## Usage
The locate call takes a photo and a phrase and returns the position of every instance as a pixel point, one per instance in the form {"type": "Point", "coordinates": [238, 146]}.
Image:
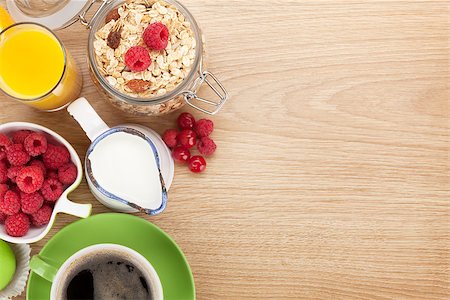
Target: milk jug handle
{"type": "Point", "coordinates": [87, 117]}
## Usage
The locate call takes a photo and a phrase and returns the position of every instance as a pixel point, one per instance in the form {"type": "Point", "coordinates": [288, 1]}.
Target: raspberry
{"type": "Point", "coordinates": [52, 189]}
{"type": "Point", "coordinates": [3, 189]}
{"type": "Point", "coordinates": [19, 136]}
{"type": "Point", "coordinates": [15, 189]}
{"type": "Point", "coordinates": [55, 156]}
{"type": "Point", "coordinates": [204, 127]}
{"type": "Point", "coordinates": [181, 154]}
{"type": "Point", "coordinates": [42, 216]}
{"type": "Point", "coordinates": [4, 144]}
{"type": "Point", "coordinates": [3, 172]}
{"type": "Point", "coordinates": [170, 137]}
{"type": "Point", "coordinates": [35, 144]}
{"type": "Point", "coordinates": [10, 204]}
{"type": "Point", "coordinates": [156, 36]}
{"type": "Point", "coordinates": [30, 179]}
{"type": "Point", "coordinates": [16, 155]}
{"type": "Point", "coordinates": [52, 174]}
{"type": "Point", "coordinates": [187, 138]}
{"type": "Point", "coordinates": [13, 172]}
{"type": "Point", "coordinates": [40, 164]}
{"type": "Point", "coordinates": [206, 146]}
{"type": "Point", "coordinates": [30, 203]}
{"type": "Point", "coordinates": [186, 121]}
{"type": "Point", "coordinates": [2, 217]}
{"type": "Point", "coordinates": [67, 173]}
{"type": "Point", "coordinates": [50, 204]}
{"type": "Point", "coordinates": [137, 59]}
{"type": "Point", "coordinates": [197, 164]}
{"type": "Point", "coordinates": [17, 225]}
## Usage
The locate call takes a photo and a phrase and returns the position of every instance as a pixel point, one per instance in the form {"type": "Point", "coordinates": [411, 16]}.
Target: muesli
{"type": "Point", "coordinates": [133, 37]}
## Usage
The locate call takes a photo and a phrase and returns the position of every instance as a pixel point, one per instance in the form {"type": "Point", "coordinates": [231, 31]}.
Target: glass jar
{"type": "Point", "coordinates": [184, 92]}
{"type": "Point", "coordinates": [40, 8]}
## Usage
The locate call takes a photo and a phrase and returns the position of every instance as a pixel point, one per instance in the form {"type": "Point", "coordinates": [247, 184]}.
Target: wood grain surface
{"type": "Point", "coordinates": [331, 179]}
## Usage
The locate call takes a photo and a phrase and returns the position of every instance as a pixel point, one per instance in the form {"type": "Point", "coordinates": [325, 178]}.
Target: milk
{"type": "Point", "coordinates": [125, 165]}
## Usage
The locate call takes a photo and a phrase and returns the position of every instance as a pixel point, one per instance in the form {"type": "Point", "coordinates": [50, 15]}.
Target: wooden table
{"type": "Point", "coordinates": [331, 178]}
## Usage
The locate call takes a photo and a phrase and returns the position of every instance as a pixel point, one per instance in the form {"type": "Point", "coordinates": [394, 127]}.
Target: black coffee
{"type": "Point", "coordinates": [106, 278]}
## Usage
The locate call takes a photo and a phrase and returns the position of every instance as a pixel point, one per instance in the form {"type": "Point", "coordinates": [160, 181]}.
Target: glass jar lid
{"type": "Point", "coordinates": [54, 14]}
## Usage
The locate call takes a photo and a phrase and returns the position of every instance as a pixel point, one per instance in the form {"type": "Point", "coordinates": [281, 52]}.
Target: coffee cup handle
{"type": "Point", "coordinates": [42, 268]}
{"type": "Point", "coordinates": [87, 117]}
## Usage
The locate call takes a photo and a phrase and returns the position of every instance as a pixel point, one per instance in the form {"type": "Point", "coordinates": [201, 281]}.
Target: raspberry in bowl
{"type": "Point", "coordinates": [38, 169]}
{"type": "Point", "coordinates": [147, 56]}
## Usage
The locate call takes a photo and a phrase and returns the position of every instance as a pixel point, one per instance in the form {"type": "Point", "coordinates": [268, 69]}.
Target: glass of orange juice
{"type": "Point", "coordinates": [36, 69]}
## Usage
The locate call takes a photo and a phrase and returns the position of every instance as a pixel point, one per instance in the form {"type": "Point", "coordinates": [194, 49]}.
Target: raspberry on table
{"type": "Point", "coordinates": [35, 144]}
{"type": "Point", "coordinates": [204, 127]}
{"type": "Point", "coordinates": [187, 138]}
{"type": "Point", "coordinates": [42, 216]}
{"type": "Point", "coordinates": [17, 225]}
{"type": "Point", "coordinates": [30, 203]}
{"type": "Point", "coordinates": [16, 155]}
{"type": "Point", "coordinates": [30, 179]}
{"type": "Point", "coordinates": [40, 164]}
{"type": "Point", "coordinates": [197, 164]}
{"type": "Point", "coordinates": [52, 189]}
{"type": "Point", "coordinates": [156, 36]}
{"type": "Point", "coordinates": [137, 59]}
{"type": "Point", "coordinates": [13, 171]}
{"type": "Point", "coordinates": [67, 173]}
{"type": "Point", "coordinates": [181, 154]}
{"type": "Point", "coordinates": [4, 143]}
{"type": "Point", "coordinates": [55, 156]}
{"type": "Point", "coordinates": [186, 121]}
{"type": "Point", "coordinates": [10, 204]}
{"type": "Point", "coordinates": [3, 172]}
{"type": "Point", "coordinates": [206, 146]}
{"type": "Point", "coordinates": [170, 137]}
{"type": "Point", "coordinates": [20, 136]}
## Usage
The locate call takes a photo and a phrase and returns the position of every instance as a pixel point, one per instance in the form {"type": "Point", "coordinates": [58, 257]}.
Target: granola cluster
{"type": "Point", "coordinates": [124, 29]}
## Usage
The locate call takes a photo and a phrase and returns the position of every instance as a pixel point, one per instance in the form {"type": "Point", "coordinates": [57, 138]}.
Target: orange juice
{"type": "Point", "coordinates": [5, 19]}
{"type": "Point", "coordinates": [36, 69]}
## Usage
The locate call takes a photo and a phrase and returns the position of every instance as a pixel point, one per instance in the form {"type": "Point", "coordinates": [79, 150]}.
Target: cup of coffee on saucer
{"type": "Point", "coordinates": [102, 271]}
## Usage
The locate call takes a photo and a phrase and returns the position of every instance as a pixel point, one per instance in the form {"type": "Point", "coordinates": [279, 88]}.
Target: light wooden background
{"type": "Point", "coordinates": [331, 180]}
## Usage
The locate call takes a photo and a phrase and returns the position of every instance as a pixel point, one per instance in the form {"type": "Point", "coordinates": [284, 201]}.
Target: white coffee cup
{"type": "Point", "coordinates": [60, 277]}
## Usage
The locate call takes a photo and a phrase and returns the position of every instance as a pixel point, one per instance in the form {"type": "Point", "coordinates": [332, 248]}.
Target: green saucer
{"type": "Point", "coordinates": [127, 230]}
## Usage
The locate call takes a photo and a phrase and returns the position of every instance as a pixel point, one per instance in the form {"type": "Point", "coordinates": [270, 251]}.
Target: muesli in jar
{"type": "Point", "coordinates": [145, 49]}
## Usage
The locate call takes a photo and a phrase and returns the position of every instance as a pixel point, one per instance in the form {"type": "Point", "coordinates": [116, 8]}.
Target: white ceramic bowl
{"type": "Point", "coordinates": [63, 204]}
